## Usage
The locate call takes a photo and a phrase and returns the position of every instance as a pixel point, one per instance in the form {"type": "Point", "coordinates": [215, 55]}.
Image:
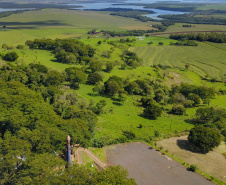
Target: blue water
{"type": "Point", "coordinates": [98, 6]}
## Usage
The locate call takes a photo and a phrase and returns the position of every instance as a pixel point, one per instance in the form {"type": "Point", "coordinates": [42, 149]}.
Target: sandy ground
{"type": "Point", "coordinates": [149, 167]}
{"type": "Point", "coordinates": [212, 163]}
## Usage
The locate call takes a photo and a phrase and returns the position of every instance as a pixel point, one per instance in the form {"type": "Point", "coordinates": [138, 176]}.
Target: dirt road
{"type": "Point", "coordinates": [149, 167]}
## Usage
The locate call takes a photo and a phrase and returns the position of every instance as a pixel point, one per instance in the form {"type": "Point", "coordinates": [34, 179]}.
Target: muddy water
{"type": "Point", "coordinates": [149, 167]}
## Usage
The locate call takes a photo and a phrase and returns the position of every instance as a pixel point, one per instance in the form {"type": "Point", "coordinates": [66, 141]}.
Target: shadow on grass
{"type": "Point", "coordinates": [191, 121]}
{"type": "Point", "coordinates": [185, 145]}
{"type": "Point", "coordinates": [93, 94]}
{"type": "Point", "coordinates": [147, 117]}
{"type": "Point", "coordinates": [31, 25]}
{"type": "Point", "coordinates": [117, 103]}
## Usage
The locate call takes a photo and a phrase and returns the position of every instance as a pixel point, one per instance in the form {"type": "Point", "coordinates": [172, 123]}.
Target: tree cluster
{"type": "Point", "coordinates": [185, 43]}
{"type": "Point", "coordinates": [65, 50]}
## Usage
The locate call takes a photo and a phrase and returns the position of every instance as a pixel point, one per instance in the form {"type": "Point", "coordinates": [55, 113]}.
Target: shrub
{"type": "Point", "coordinates": [193, 168]}
{"type": "Point", "coordinates": [130, 135]}
{"type": "Point", "coordinates": [157, 134]}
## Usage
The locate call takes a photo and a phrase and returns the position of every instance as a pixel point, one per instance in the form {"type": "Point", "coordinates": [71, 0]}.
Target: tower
{"type": "Point", "coordinates": [68, 154]}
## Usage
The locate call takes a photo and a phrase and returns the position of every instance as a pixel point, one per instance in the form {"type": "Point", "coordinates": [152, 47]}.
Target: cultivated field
{"type": "Point", "coordinates": [204, 59]}
{"type": "Point", "coordinates": [212, 163]}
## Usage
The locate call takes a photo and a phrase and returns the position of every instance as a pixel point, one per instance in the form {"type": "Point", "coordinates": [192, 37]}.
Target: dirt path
{"type": "Point", "coordinates": [149, 167]}
{"type": "Point", "coordinates": [89, 153]}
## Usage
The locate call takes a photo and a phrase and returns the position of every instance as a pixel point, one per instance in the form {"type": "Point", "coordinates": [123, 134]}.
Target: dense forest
{"type": "Point", "coordinates": [37, 113]}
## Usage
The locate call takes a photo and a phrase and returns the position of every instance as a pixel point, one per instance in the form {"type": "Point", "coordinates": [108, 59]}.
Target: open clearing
{"type": "Point", "coordinates": [149, 167]}
{"type": "Point", "coordinates": [212, 163]}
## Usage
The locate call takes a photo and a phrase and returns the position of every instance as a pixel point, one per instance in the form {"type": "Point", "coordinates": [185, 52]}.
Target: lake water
{"type": "Point", "coordinates": [98, 6]}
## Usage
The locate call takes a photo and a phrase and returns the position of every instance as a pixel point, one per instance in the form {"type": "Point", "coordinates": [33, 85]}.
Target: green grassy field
{"type": "Point", "coordinates": [207, 58]}
{"type": "Point", "coordinates": [213, 6]}
{"type": "Point", "coordinates": [55, 23]}
{"type": "Point", "coordinates": [204, 59]}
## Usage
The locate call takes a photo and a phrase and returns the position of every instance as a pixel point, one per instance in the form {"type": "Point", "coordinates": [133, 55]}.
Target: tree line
{"type": "Point", "coordinates": [194, 19]}
{"type": "Point", "coordinates": [211, 37]}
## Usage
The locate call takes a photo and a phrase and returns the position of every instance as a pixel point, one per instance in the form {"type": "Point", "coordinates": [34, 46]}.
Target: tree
{"type": "Point", "coordinates": [54, 78]}
{"type": "Point", "coordinates": [75, 76]}
{"type": "Point", "coordinates": [11, 56]}
{"type": "Point", "coordinates": [204, 138]}
{"type": "Point", "coordinates": [95, 66]}
{"type": "Point", "coordinates": [132, 88]}
{"type": "Point", "coordinates": [20, 46]}
{"type": "Point", "coordinates": [159, 95]}
{"type": "Point", "coordinates": [99, 42]}
{"type": "Point", "coordinates": [149, 43]}
{"type": "Point", "coordinates": [112, 87]}
{"type": "Point", "coordinates": [109, 66]}
{"type": "Point", "coordinates": [178, 109]}
{"type": "Point", "coordinates": [94, 78]}
{"type": "Point", "coordinates": [152, 111]}
{"type": "Point", "coordinates": [65, 57]}
{"type": "Point", "coordinates": [187, 66]}
{"type": "Point", "coordinates": [194, 97]}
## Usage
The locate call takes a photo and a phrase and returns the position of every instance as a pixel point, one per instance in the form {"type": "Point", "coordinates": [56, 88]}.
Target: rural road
{"type": "Point", "coordinates": [149, 167]}
{"type": "Point", "coordinates": [92, 155]}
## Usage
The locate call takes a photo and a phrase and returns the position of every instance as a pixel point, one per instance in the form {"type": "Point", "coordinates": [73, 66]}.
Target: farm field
{"type": "Point", "coordinates": [212, 163]}
{"type": "Point", "coordinates": [52, 23]}
{"type": "Point", "coordinates": [178, 27]}
{"type": "Point", "coordinates": [203, 59]}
